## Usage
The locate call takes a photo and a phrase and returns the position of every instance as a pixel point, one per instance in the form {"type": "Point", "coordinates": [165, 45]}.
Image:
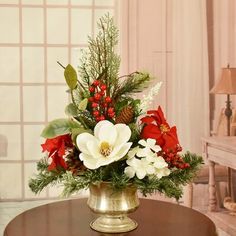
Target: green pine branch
{"type": "Point", "coordinates": [133, 83]}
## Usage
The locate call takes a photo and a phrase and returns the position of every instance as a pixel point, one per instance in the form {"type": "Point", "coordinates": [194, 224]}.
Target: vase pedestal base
{"type": "Point", "coordinates": [113, 224]}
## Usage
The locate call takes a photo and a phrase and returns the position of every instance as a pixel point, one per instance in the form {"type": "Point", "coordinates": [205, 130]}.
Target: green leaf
{"type": "Point", "coordinates": [83, 104]}
{"type": "Point", "coordinates": [70, 76]}
{"type": "Point", "coordinates": [76, 131]}
{"type": "Point", "coordinates": [59, 127]}
{"type": "Point", "coordinates": [71, 110]}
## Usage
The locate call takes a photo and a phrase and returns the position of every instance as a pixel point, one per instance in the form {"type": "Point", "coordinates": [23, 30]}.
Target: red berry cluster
{"type": "Point", "coordinates": [174, 159]}
{"type": "Point", "coordinates": [100, 102]}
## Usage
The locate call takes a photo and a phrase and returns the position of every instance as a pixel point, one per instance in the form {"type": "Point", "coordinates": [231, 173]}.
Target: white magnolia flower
{"type": "Point", "coordinates": [149, 146]}
{"type": "Point", "coordinates": [109, 144]}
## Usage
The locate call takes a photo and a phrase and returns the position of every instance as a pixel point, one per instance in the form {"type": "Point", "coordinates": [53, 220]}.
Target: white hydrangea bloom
{"type": "Point", "coordinates": [149, 146]}
{"type": "Point", "coordinates": [109, 144]}
{"type": "Point", "coordinates": [149, 164]}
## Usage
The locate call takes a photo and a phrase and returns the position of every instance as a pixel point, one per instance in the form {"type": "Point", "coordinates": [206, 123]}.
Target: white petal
{"type": "Point", "coordinates": [93, 147]}
{"type": "Point", "coordinates": [150, 170]}
{"type": "Point", "coordinates": [121, 152]}
{"type": "Point", "coordinates": [142, 142]}
{"type": "Point", "coordinates": [143, 152]}
{"type": "Point", "coordinates": [151, 142]}
{"type": "Point", "coordinates": [99, 125]}
{"type": "Point", "coordinates": [134, 162]}
{"type": "Point", "coordinates": [129, 171]}
{"type": "Point", "coordinates": [123, 134]}
{"type": "Point", "coordinates": [108, 133]}
{"type": "Point", "coordinates": [133, 152]}
{"type": "Point", "coordinates": [105, 161]}
{"type": "Point", "coordinates": [156, 148]}
{"type": "Point", "coordinates": [88, 161]}
{"type": "Point", "coordinates": [82, 140]}
{"type": "Point", "coordinates": [140, 173]}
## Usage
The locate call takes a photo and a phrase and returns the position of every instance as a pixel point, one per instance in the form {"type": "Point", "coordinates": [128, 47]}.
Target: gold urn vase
{"type": "Point", "coordinates": [113, 207]}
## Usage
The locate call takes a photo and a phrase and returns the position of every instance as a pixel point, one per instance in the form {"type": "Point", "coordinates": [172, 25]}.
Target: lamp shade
{"type": "Point", "coordinates": [227, 82]}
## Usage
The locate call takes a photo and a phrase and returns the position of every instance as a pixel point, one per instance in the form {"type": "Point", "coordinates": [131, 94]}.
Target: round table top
{"type": "Point", "coordinates": [72, 218]}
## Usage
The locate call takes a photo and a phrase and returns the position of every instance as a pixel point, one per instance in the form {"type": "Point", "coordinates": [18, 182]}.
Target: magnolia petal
{"type": "Point", "coordinates": [105, 161]}
{"type": "Point", "coordinates": [82, 140]}
{"type": "Point", "coordinates": [123, 134]}
{"type": "Point", "coordinates": [99, 125]}
{"type": "Point", "coordinates": [93, 147]}
{"type": "Point", "coordinates": [108, 133]}
{"type": "Point", "coordinates": [88, 161]}
{"type": "Point", "coordinates": [123, 151]}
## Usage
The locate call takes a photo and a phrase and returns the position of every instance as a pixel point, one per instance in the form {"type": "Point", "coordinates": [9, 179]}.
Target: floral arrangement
{"type": "Point", "coordinates": [109, 135]}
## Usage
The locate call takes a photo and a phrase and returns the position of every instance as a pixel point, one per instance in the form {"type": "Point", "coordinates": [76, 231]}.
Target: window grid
{"type": "Point", "coordinates": [69, 46]}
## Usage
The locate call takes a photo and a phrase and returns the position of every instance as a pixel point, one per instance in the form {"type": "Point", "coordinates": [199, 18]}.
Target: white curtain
{"type": "Point", "coordinates": [189, 91]}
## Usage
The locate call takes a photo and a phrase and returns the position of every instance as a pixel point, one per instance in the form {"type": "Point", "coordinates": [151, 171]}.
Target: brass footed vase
{"type": "Point", "coordinates": [113, 207]}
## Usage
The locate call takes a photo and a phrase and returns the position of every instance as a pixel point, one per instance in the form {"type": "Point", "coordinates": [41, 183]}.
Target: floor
{"type": "Point", "coordinates": [8, 210]}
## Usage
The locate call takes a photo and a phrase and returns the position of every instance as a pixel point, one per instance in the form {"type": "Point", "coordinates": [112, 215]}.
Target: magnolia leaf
{"type": "Point", "coordinates": [83, 104]}
{"type": "Point", "coordinates": [71, 110]}
{"type": "Point", "coordinates": [59, 127]}
{"type": "Point", "coordinates": [76, 131]}
{"type": "Point", "coordinates": [70, 76]}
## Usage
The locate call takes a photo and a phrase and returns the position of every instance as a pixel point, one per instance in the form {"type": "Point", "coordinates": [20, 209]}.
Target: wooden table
{"type": "Point", "coordinates": [72, 218]}
{"type": "Point", "coordinates": [221, 150]}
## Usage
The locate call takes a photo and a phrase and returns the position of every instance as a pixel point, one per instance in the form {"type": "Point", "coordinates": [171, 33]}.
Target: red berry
{"type": "Point", "coordinates": [94, 104]}
{"type": "Point", "coordinates": [97, 118]}
{"type": "Point", "coordinates": [102, 93]}
{"type": "Point", "coordinates": [96, 82]}
{"type": "Point", "coordinates": [102, 117]}
{"type": "Point", "coordinates": [97, 96]}
{"type": "Point", "coordinates": [103, 87]}
{"type": "Point", "coordinates": [96, 113]}
{"type": "Point", "coordinates": [111, 114]}
{"type": "Point", "coordinates": [91, 89]}
{"type": "Point", "coordinates": [91, 99]}
{"type": "Point", "coordinates": [105, 104]}
{"type": "Point", "coordinates": [107, 99]}
{"type": "Point", "coordinates": [110, 110]}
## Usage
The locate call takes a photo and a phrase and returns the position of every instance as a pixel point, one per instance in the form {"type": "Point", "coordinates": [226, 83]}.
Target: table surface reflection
{"type": "Point", "coordinates": [72, 218]}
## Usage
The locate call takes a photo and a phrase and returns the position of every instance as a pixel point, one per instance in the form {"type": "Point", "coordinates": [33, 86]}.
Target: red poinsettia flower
{"type": "Point", "coordinates": [156, 127]}
{"type": "Point", "coordinates": [56, 148]}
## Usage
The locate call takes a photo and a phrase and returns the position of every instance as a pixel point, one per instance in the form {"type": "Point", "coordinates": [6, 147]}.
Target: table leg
{"type": "Point", "coordinates": [229, 182]}
{"type": "Point", "coordinates": [212, 187]}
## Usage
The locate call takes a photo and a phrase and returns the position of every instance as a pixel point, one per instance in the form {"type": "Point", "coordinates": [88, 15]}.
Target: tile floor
{"type": "Point", "coordinates": [8, 210]}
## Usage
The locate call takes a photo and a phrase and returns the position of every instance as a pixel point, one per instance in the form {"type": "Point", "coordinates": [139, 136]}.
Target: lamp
{"type": "Point", "coordinates": [226, 85]}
